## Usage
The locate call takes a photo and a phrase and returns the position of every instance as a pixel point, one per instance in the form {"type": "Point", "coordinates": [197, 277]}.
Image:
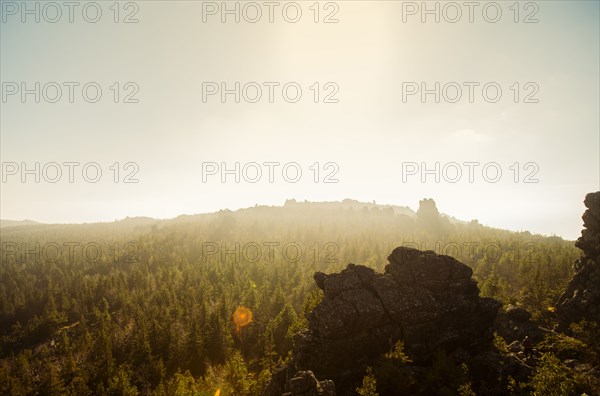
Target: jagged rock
{"type": "Point", "coordinates": [517, 313]}
{"type": "Point", "coordinates": [303, 383]}
{"type": "Point", "coordinates": [426, 300]}
{"type": "Point", "coordinates": [589, 241]}
{"type": "Point", "coordinates": [515, 323]}
{"type": "Point", "coordinates": [581, 300]}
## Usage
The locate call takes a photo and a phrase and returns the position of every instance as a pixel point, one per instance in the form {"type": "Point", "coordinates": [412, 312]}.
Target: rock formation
{"type": "Point", "coordinates": [427, 301]}
{"type": "Point", "coordinates": [581, 300]}
{"type": "Point", "coordinates": [429, 218]}
{"type": "Point", "coordinates": [514, 323]}
{"type": "Point", "coordinates": [304, 383]}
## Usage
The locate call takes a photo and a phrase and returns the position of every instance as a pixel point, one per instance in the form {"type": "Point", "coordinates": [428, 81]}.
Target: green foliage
{"type": "Point", "coordinates": [261, 382]}
{"type": "Point", "coordinates": [397, 353]}
{"type": "Point", "coordinates": [563, 346]}
{"type": "Point", "coordinates": [552, 378]}
{"type": "Point", "coordinates": [466, 390]}
{"type": "Point", "coordinates": [120, 383]}
{"type": "Point", "coordinates": [369, 384]}
{"type": "Point", "coordinates": [515, 387]}
{"type": "Point", "coordinates": [500, 344]}
{"type": "Point", "coordinates": [393, 373]}
{"type": "Point", "coordinates": [238, 379]}
{"type": "Point", "coordinates": [311, 301]}
{"type": "Point", "coordinates": [589, 334]}
{"type": "Point", "coordinates": [182, 384]}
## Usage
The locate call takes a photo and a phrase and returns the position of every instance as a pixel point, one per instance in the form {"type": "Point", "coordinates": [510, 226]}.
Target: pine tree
{"type": "Point", "coordinates": [369, 384]}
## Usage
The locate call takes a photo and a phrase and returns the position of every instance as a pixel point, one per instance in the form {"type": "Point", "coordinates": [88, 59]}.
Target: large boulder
{"type": "Point", "coordinates": [514, 324]}
{"type": "Point", "coordinates": [426, 300]}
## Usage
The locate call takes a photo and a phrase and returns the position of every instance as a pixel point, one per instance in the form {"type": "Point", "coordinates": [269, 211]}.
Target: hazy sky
{"type": "Point", "coordinates": [369, 61]}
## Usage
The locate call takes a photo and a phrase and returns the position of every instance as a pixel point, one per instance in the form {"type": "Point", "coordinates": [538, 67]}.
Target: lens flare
{"type": "Point", "coordinates": [242, 317]}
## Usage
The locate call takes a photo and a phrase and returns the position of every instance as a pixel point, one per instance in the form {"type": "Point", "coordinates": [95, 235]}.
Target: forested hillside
{"type": "Point", "coordinates": [143, 306]}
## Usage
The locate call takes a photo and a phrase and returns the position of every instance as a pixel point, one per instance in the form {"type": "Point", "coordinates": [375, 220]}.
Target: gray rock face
{"type": "Point", "coordinates": [581, 300]}
{"type": "Point", "coordinates": [428, 301]}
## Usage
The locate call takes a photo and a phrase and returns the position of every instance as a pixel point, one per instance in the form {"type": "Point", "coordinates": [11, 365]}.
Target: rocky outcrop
{"type": "Point", "coordinates": [589, 241]}
{"type": "Point", "coordinates": [514, 324]}
{"type": "Point", "coordinates": [581, 300]}
{"type": "Point", "coordinates": [303, 383]}
{"type": "Point", "coordinates": [427, 301]}
{"type": "Point", "coordinates": [430, 220]}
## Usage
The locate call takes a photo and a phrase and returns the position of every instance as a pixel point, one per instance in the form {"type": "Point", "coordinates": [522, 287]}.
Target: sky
{"type": "Point", "coordinates": [370, 100]}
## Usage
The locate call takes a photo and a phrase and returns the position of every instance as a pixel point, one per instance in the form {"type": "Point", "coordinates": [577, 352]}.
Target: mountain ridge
{"type": "Point", "coordinates": [290, 204]}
